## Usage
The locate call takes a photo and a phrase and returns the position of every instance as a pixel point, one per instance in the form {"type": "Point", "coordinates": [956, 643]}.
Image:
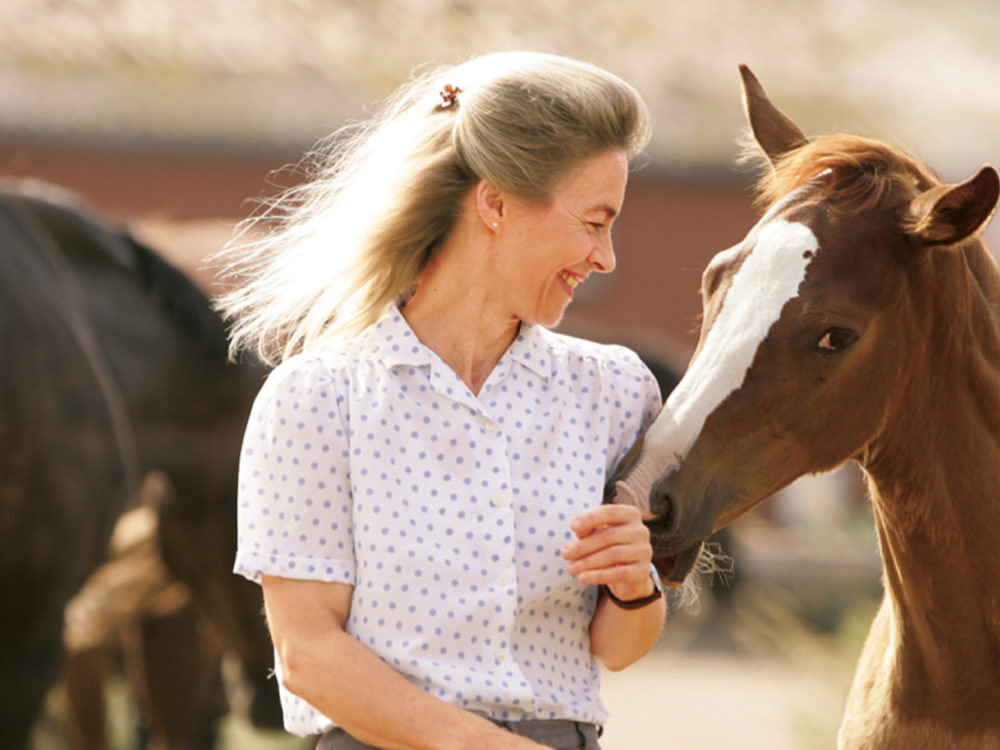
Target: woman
{"type": "Point", "coordinates": [422, 474]}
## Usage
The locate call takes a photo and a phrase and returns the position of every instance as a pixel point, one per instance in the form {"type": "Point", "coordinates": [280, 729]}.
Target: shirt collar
{"type": "Point", "coordinates": [397, 344]}
{"type": "Point", "coordinates": [531, 349]}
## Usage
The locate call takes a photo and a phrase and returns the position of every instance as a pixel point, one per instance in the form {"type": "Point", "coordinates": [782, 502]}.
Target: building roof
{"type": "Point", "coordinates": [278, 74]}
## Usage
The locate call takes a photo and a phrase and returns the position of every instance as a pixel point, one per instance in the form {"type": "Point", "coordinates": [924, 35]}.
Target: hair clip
{"type": "Point", "coordinates": [449, 95]}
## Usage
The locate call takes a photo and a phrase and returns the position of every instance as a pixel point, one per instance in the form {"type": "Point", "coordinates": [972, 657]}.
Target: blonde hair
{"type": "Point", "coordinates": [321, 261]}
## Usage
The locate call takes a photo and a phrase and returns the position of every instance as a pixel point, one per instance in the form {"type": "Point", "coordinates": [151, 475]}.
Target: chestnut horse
{"type": "Point", "coordinates": [859, 319]}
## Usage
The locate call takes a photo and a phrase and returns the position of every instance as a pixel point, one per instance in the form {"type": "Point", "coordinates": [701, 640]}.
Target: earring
{"type": "Point", "coordinates": [496, 224]}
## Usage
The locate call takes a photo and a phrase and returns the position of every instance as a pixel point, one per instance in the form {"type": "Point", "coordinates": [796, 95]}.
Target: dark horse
{"type": "Point", "coordinates": [859, 319]}
{"type": "Point", "coordinates": [114, 365]}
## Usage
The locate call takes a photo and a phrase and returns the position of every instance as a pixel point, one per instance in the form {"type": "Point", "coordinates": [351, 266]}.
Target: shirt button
{"type": "Point", "coordinates": [491, 426]}
{"type": "Point", "coordinates": [496, 501]}
{"type": "Point", "coordinates": [499, 655]}
{"type": "Point", "coordinates": [504, 580]}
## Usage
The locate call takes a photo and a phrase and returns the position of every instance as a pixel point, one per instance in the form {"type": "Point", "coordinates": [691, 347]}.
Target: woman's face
{"type": "Point", "coordinates": [551, 246]}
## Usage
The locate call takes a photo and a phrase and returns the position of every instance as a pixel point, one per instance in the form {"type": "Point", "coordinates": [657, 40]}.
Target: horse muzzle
{"type": "Point", "coordinates": [678, 529]}
{"type": "Point", "coordinates": [674, 551]}
{"type": "Point", "coordinates": [674, 568]}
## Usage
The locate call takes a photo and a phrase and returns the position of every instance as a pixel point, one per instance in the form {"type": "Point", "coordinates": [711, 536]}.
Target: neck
{"type": "Point", "coordinates": [940, 640]}
{"type": "Point", "coordinates": [455, 312]}
{"type": "Point", "coordinates": [936, 497]}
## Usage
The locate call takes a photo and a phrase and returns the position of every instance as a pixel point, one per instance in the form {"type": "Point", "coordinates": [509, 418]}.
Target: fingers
{"type": "Point", "coordinates": [605, 515]}
{"type": "Point", "coordinates": [612, 547]}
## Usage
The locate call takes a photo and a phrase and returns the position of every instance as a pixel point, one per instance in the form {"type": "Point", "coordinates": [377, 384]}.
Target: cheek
{"type": "Point", "coordinates": [851, 401]}
{"type": "Point", "coordinates": [519, 269]}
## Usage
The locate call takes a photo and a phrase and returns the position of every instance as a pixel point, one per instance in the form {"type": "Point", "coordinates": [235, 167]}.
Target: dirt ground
{"type": "Point", "coordinates": [720, 701]}
{"type": "Point", "coordinates": [768, 668]}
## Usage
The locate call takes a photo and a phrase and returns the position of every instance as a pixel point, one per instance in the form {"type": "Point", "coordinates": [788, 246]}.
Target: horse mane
{"type": "Point", "coordinates": [862, 170]}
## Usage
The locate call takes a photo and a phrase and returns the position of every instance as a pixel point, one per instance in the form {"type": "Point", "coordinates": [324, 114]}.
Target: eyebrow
{"type": "Point", "coordinates": [611, 213]}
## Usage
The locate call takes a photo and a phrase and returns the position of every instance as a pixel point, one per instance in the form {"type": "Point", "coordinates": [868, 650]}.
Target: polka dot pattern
{"type": "Point", "coordinates": [376, 466]}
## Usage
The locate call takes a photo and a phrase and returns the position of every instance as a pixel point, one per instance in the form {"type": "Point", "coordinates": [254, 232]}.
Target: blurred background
{"type": "Point", "coordinates": [170, 116]}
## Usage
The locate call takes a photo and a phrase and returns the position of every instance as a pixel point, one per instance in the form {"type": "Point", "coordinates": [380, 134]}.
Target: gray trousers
{"type": "Point", "coordinates": [562, 735]}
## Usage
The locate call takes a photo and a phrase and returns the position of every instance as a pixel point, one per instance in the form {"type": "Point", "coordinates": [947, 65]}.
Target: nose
{"type": "Point", "coordinates": [602, 257]}
{"type": "Point", "coordinates": [661, 506]}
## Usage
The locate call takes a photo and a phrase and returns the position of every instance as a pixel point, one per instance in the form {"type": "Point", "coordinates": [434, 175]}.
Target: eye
{"type": "Point", "coordinates": [836, 340]}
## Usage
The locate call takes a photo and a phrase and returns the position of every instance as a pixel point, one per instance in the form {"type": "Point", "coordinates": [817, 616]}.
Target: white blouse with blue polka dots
{"type": "Point", "coordinates": [375, 465]}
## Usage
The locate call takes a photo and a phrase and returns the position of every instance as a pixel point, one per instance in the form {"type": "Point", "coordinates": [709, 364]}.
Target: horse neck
{"type": "Point", "coordinates": [935, 485]}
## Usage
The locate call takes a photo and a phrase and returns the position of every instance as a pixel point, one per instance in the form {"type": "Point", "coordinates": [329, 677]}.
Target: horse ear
{"type": "Point", "coordinates": [948, 214]}
{"type": "Point", "coordinates": [771, 128]}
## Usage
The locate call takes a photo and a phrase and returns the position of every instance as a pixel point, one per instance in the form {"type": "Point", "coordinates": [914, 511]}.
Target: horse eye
{"type": "Point", "coordinates": [836, 340]}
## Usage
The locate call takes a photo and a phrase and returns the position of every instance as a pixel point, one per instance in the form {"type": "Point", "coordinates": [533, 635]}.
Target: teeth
{"type": "Point", "coordinates": [571, 280]}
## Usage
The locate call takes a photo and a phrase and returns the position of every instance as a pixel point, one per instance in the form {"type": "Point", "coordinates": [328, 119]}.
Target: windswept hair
{"type": "Point", "coordinates": [320, 262]}
{"type": "Point", "coordinates": [861, 171]}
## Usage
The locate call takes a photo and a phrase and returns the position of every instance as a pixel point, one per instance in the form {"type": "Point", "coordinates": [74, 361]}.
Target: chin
{"type": "Point", "coordinates": [550, 321]}
{"type": "Point", "coordinates": [545, 315]}
{"type": "Point", "coordinates": [550, 318]}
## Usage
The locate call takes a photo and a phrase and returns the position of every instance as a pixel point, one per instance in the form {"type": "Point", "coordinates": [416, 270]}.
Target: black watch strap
{"type": "Point", "coordinates": [641, 602]}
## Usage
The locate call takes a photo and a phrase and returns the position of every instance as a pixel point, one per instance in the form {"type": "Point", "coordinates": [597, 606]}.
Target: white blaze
{"type": "Point", "coordinates": [769, 277]}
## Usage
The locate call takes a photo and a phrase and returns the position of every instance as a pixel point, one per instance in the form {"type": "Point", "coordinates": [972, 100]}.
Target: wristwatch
{"type": "Point", "coordinates": [642, 601]}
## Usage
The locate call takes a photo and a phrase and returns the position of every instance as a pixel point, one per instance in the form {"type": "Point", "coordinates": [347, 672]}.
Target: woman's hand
{"type": "Point", "coordinates": [612, 548]}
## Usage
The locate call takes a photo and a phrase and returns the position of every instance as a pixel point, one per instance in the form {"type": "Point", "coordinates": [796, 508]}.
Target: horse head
{"type": "Point", "coordinates": [812, 327]}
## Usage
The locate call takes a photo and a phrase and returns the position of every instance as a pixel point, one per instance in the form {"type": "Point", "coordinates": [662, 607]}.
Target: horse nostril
{"type": "Point", "coordinates": [661, 505]}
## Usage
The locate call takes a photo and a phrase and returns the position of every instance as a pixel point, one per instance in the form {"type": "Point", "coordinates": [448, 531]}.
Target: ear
{"type": "Point", "coordinates": [771, 128]}
{"type": "Point", "coordinates": [489, 203]}
{"type": "Point", "coordinates": [948, 214]}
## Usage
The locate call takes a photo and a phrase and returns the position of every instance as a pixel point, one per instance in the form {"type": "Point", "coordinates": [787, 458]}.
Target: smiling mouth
{"type": "Point", "coordinates": [569, 279]}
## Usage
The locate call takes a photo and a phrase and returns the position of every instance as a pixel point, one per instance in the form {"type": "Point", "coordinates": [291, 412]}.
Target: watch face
{"type": "Point", "coordinates": [656, 578]}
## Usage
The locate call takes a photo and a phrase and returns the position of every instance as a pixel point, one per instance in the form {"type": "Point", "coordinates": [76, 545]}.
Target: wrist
{"type": "Point", "coordinates": [637, 598]}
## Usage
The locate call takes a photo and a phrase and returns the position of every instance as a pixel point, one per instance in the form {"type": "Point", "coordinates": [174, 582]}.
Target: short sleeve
{"type": "Point", "coordinates": [294, 516]}
{"type": "Point", "coordinates": [634, 398]}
